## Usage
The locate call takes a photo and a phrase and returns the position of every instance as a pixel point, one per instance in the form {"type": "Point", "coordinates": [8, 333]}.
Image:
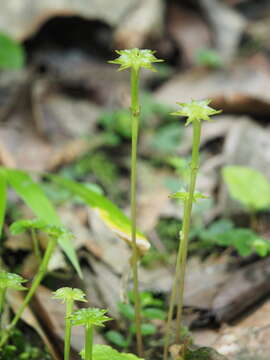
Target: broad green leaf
{"type": "Point", "coordinates": [11, 53]}
{"type": "Point", "coordinates": [154, 313]}
{"type": "Point", "coordinates": [3, 199]}
{"type": "Point", "coordinates": [106, 352]}
{"type": "Point", "coordinates": [116, 338]}
{"type": "Point", "coordinates": [33, 195]}
{"type": "Point", "coordinates": [113, 217]}
{"type": "Point", "coordinates": [127, 310]}
{"type": "Point", "coordinates": [248, 186]}
{"type": "Point", "coordinates": [147, 329]}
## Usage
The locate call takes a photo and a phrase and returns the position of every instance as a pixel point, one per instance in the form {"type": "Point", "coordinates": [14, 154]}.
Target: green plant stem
{"type": "Point", "coordinates": [135, 115]}
{"type": "Point", "coordinates": [89, 342]}
{"type": "Point", "coordinates": [69, 310]}
{"type": "Point", "coordinates": [2, 299]}
{"type": "Point", "coordinates": [36, 245]}
{"type": "Point", "coordinates": [37, 280]}
{"type": "Point", "coordinates": [179, 279]}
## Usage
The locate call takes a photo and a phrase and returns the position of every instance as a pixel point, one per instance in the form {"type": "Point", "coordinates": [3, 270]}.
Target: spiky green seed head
{"type": "Point", "coordinates": [89, 317]}
{"type": "Point", "coordinates": [196, 110]}
{"type": "Point", "coordinates": [11, 281]}
{"type": "Point", "coordinates": [67, 294]}
{"type": "Point", "coordinates": [183, 195]}
{"type": "Point", "coordinates": [21, 226]}
{"type": "Point", "coordinates": [136, 59]}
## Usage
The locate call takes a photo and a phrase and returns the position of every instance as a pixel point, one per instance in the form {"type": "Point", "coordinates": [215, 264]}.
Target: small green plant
{"type": "Point", "coordinates": [68, 296]}
{"type": "Point", "coordinates": [31, 226]}
{"type": "Point", "coordinates": [89, 318]}
{"type": "Point", "coordinates": [21, 349]}
{"type": "Point", "coordinates": [248, 186]}
{"type": "Point", "coordinates": [9, 281]}
{"type": "Point", "coordinates": [151, 309]}
{"type": "Point", "coordinates": [195, 112]}
{"type": "Point", "coordinates": [105, 352]}
{"type": "Point", "coordinates": [135, 59]}
{"type": "Point", "coordinates": [223, 233]}
{"type": "Point", "coordinates": [55, 234]}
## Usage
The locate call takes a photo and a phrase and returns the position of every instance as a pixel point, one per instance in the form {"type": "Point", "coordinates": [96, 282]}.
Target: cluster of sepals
{"type": "Point", "coordinates": [194, 111]}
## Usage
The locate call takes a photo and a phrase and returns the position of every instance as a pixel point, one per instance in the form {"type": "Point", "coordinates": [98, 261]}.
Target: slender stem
{"type": "Point", "coordinates": [135, 115]}
{"type": "Point", "coordinates": [89, 342]}
{"type": "Point", "coordinates": [2, 299]}
{"type": "Point", "coordinates": [36, 245]}
{"type": "Point", "coordinates": [186, 222]}
{"type": "Point", "coordinates": [37, 280]}
{"type": "Point", "coordinates": [179, 279]}
{"type": "Point", "coordinates": [69, 309]}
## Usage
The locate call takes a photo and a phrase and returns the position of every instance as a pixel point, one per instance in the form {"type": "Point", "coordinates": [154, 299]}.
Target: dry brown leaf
{"type": "Point", "coordinates": [146, 20]}
{"type": "Point", "coordinates": [23, 19]}
{"type": "Point", "coordinates": [15, 299]}
{"type": "Point", "coordinates": [242, 87]}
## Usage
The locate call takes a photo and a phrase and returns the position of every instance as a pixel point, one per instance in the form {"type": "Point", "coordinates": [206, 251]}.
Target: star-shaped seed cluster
{"type": "Point", "coordinates": [136, 59]}
{"type": "Point", "coordinates": [196, 111]}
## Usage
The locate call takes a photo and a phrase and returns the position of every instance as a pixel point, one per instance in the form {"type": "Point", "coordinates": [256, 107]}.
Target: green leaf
{"type": "Point", "coordinates": [248, 186]}
{"type": "Point", "coordinates": [245, 241]}
{"type": "Point", "coordinates": [3, 199]}
{"type": "Point", "coordinates": [109, 212]}
{"type": "Point", "coordinates": [116, 338]}
{"type": "Point", "coordinates": [21, 226]}
{"type": "Point", "coordinates": [11, 53]}
{"type": "Point", "coordinates": [127, 310]}
{"type": "Point", "coordinates": [33, 195]}
{"type": "Point", "coordinates": [154, 313]}
{"type": "Point", "coordinates": [147, 329]}
{"type": "Point", "coordinates": [105, 352]}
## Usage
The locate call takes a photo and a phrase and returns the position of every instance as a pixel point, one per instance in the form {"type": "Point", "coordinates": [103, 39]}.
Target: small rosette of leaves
{"type": "Point", "coordinates": [196, 110]}
{"type": "Point", "coordinates": [11, 281]}
{"type": "Point", "coordinates": [67, 294]}
{"type": "Point", "coordinates": [136, 59]}
{"type": "Point", "coordinates": [184, 195]}
{"type": "Point", "coordinates": [89, 317]}
{"type": "Point", "coordinates": [21, 226]}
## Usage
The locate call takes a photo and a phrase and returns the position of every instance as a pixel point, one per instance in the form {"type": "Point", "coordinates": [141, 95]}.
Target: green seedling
{"type": "Point", "coordinates": [223, 233]}
{"type": "Point", "coordinates": [9, 281]}
{"type": "Point", "coordinates": [151, 310]}
{"type": "Point", "coordinates": [68, 296]}
{"type": "Point", "coordinates": [89, 318]}
{"type": "Point", "coordinates": [135, 60]}
{"type": "Point", "coordinates": [195, 112]}
{"type": "Point", "coordinates": [250, 187]}
{"type": "Point", "coordinates": [31, 226]}
{"type": "Point", "coordinates": [55, 234]}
